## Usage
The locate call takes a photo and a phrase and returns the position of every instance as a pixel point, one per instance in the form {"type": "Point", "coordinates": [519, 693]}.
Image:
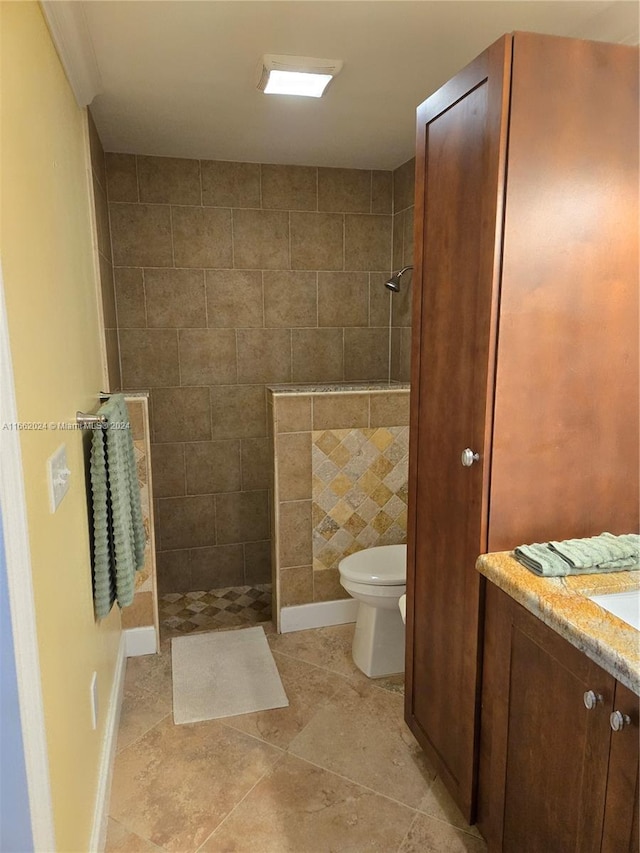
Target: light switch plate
{"type": "Point", "coordinates": [58, 475]}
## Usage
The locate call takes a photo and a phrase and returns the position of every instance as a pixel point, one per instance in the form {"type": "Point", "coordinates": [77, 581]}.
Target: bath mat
{"type": "Point", "coordinates": [224, 674]}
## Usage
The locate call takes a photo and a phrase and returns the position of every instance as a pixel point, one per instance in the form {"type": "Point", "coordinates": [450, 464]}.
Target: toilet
{"type": "Point", "coordinates": [376, 578]}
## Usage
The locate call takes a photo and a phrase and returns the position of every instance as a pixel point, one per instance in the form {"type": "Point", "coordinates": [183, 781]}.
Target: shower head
{"type": "Point", "coordinates": [394, 282]}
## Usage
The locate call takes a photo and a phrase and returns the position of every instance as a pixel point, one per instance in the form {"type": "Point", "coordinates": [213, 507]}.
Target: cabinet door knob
{"type": "Point", "coordinates": [591, 699]}
{"type": "Point", "coordinates": [619, 720]}
{"type": "Point", "coordinates": [469, 457]}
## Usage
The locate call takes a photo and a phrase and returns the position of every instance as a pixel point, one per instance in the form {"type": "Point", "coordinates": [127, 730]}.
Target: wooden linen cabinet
{"type": "Point", "coordinates": [524, 422]}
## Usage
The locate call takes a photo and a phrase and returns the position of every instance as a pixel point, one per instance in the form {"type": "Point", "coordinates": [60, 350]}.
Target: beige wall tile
{"type": "Point", "coordinates": [317, 355]}
{"type": "Point", "coordinates": [382, 192]}
{"type": "Point", "coordinates": [217, 567]}
{"type": "Point", "coordinates": [107, 292]}
{"type": "Point", "coordinates": [212, 466]}
{"type": "Point", "coordinates": [407, 243]}
{"type": "Point", "coordinates": [296, 586]}
{"type": "Point", "coordinates": [181, 414]}
{"type": "Point", "coordinates": [379, 300]}
{"type": "Point", "coordinates": [389, 408]}
{"type": "Point", "coordinates": [202, 237]}
{"type": "Point", "coordinates": [394, 360]}
{"type": "Point", "coordinates": [405, 355]}
{"type": "Point", "coordinates": [344, 190]}
{"type": "Point", "coordinates": [317, 241]}
{"type": "Point", "coordinates": [140, 613]}
{"type": "Point", "coordinates": [367, 242]}
{"type": "Point", "coordinates": [260, 239]}
{"type": "Point", "coordinates": [96, 150]}
{"type": "Point", "coordinates": [264, 355]}
{"type": "Point", "coordinates": [294, 535]}
{"type": "Point", "coordinates": [290, 299]}
{"type": "Point", "coordinates": [169, 180]}
{"type": "Point", "coordinates": [294, 466]}
{"type": "Point", "coordinates": [257, 562]}
{"type": "Point", "coordinates": [187, 522]}
{"type": "Point", "coordinates": [234, 298]}
{"type": "Point", "coordinates": [141, 235]}
{"type": "Point", "coordinates": [135, 409]}
{"type": "Point", "coordinates": [242, 517]}
{"type": "Point", "coordinates": [173, 571]}
{"type": "Point", "coordinates": [327, 587]}
{"type": "Point", "coordinates": [130, 300]}
{"type": "Point", "coordinates": [113, 359]}
{"type": "Point", "coordinates": [230, 184]}
{"type": "Point", "coordinates": [257, 464]}
{"type": "Point", "coordinates": [102, 220]}
{"type": "Point", "coordinates": [175, 298]}
{"type": "Point", "coordinates": [343, 299]}
{"type": "Point", "coordinates": [293, 414]}
{"type": "Point", "coordinates": [149, 358]}
{"type": "Point", "coordinates": [207, 356]}
{"type": "Point", "coordinates": [401, 302]}
{"type": "Point", "coordinates": [398, 240]}
{"type": "Point", "coordinates": [122, 177]}
{"type": "Point", "coordinates": [238, 411]}
{"type": "Point", "coordinates": [366, 354]}
{"type": "Point", "coordinates": [167, 467]}
{"type": "Point", "coordinates": [289, 187]}
{"type": "Point", "coordinates": [403, 185]}
{"type": "Point", "coordinates": [341, 411]}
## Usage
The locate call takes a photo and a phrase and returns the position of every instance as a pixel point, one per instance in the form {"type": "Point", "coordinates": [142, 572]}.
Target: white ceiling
{"type": "Point", "coordinates": [179, 78]}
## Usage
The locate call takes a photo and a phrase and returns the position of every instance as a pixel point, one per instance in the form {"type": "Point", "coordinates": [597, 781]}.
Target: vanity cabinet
{"type": "Point", "coordinates": [524, 394]}
{"type": "Point", "coordinates": [554, 776]}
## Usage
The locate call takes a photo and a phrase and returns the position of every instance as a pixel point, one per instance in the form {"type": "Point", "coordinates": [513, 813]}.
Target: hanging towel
{"type": "Point", "coordinates": [118, 528]}
{"type": "Point", "coordinates": [599, 554]}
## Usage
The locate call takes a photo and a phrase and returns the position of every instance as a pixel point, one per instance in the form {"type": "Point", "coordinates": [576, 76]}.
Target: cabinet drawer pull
{"type": "Point", "coordinates": [468, 457]}
{"type": "Point", "coordinates": [591, 699]}
{"type": "Point", "coordinates": [619, 720]}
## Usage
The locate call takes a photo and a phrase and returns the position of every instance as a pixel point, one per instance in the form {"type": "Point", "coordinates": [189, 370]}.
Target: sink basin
{"type": "Point", "coordinates": [624, 605]}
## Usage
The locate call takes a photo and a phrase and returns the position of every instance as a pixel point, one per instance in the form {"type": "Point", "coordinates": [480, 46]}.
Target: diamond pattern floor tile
{"type": "Point", "coordinates": [208, 610]}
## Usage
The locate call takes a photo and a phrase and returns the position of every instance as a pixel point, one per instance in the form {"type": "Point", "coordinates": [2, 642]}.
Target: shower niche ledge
{"type": "Point", "coordinates": [340, 471]}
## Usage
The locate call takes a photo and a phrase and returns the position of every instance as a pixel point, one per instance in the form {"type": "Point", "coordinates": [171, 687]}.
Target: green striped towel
{"type": "Point", "coordinates": [118, 528]}
{"type": "Point", "coordinates": [599, 554]}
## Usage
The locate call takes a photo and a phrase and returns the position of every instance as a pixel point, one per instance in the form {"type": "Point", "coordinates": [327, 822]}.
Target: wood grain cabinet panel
{"type": "Point", "coordinates": [553, 774]}
{"type": "Point", "coordinates": [525, 346]}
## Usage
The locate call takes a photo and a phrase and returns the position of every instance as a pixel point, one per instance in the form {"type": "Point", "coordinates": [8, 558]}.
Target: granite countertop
{"type": "Point", "coordinates": [338, 387]}
{"type": "Point", "coordinates": [563, 604]}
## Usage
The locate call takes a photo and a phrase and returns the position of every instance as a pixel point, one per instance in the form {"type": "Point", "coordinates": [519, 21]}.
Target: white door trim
{"type": "Point", "coordinates": [23, 617]}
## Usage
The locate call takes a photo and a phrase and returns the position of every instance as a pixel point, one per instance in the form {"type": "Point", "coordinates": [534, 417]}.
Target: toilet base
{"type": "Point", "coordinates": [378, 642]}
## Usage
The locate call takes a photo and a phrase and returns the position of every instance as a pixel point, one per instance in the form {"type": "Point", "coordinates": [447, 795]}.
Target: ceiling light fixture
{"type": "Point", "coordinates": [296, 75]}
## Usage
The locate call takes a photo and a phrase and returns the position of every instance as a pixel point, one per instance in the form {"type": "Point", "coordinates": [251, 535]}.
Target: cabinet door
{"type": "Point", "coordinates": [620, 834]}
{"type": "Point", "coordinates": [459, 174]}
{"type": "Point", "coordinates": [566, 440]}
{"type": "Point", "coordinates": [549, 754]}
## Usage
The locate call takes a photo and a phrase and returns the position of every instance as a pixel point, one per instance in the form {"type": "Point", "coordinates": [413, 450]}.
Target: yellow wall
{"type": "Point", "coordinates": [46, 253]}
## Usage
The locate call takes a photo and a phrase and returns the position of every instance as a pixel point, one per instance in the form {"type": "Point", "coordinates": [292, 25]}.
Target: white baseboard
{"type": "Point", "coordinates": [107, 758]}
{"type": "Point", "coordinates": [141, 641]}
{"type": "Point", "coordinates": [318, 615]}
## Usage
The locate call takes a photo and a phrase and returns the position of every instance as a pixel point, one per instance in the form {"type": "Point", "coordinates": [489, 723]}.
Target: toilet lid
{"type": "Point", "coordinates": [385, 565]}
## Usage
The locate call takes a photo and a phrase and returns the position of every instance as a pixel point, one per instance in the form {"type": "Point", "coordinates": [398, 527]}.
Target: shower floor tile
{"type": "Point", "coordinates": [209, 610]}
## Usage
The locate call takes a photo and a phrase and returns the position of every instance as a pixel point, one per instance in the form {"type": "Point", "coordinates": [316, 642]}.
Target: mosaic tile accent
{"type": "Point", "coordinates": [231, 607]}
{"type": "Point", "coordinates": [359, 491]}
{"type": "Point", "coordinates": [142, 611]}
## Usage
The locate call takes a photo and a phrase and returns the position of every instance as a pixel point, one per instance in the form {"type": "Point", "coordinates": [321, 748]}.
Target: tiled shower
{"type": "Point", "coordinates": [222, 278]}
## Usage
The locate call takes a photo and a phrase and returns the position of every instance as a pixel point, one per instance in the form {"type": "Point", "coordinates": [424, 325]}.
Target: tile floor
{"type": "Point", "coordinates": [184, 613]}
{"type": "Point", "coordinates": [338, 770]}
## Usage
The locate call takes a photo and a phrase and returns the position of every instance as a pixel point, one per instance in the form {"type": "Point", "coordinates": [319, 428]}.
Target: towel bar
{"type": "Point", "coordinates": [85, 421]}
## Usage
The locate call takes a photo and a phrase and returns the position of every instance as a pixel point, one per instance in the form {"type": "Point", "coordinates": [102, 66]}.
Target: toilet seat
{"type": "Point", "coordinates": [384, 565]}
